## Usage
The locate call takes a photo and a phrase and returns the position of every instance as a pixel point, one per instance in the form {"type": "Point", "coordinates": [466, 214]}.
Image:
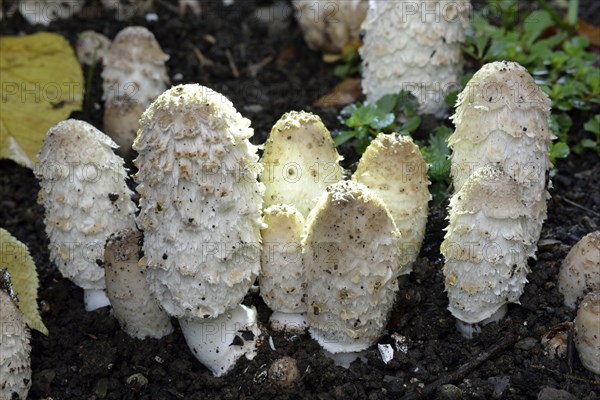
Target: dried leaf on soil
{"type": "Point", "coordinates": [15, 258]}
{"type": "Point", "coordinates": [42, 84]}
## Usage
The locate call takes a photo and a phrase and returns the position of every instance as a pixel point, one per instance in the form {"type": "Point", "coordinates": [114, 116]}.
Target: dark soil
{"type": "Point", "coordinates": [87, 356]}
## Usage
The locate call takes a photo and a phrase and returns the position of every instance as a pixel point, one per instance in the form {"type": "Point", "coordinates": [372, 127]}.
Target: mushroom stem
{"type": "Point", "coordinates": [94, 299]}
{"type": "Point", "coordinates": [288, 322]}
{"type": "Point", "coordinates": [344, 359]}
{"type": "Point", "coordinates": [219, 342]}
{"type": "Point", "coordinates": [467, 330]}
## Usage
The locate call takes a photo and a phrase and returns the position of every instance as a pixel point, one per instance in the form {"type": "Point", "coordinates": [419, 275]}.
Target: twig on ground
{"type": "Point", "coordinates": [571, 202]}
{"type": "Point", "coordinates": [463, 370]}
{"type": "Point", "coordinates": [234, 70]}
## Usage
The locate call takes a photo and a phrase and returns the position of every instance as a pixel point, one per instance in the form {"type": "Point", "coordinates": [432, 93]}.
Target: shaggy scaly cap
{"type": "Point", "coordinates": [393, 168]}
{"type": "Point", "coordinates": [414, 46]}
{"type": "Point", "coordinates": [200, 202]}
{"type": "Point", "coordinates": [351, 259]}
{"type": "Point", "coordinates": [85, 198]}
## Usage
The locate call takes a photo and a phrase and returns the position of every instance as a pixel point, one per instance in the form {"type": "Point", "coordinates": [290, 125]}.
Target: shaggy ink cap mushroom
{"type": "Point", "coordinates": [15, 349]}
{"type": "Point", "coordinates": [414, 46]}
{"type": "Point", "coordinates": [393, 168]}
{"type": "Point", "coordinates": [587, 332]}
{"type": "Point", "coordinates": [133, 305]}
{"type": "Point", "coordinates": [330, 25]}
{"type": "Point", "coordinates": [299, 161]}
{"type": "Point", "coordinates": [485, 248]}
{"type": "Point", "coordinates": [200, 209]}
{"type": "Point", "coordinates": [580, 270]}
{"type": "Point", "coordinates": [351, 254]}
{"type": "Point", "coordinates": [134, 75]}
{"type": "Point", "coordinates": [85, 197]}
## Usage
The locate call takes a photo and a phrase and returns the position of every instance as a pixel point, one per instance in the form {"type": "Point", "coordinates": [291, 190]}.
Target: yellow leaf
{"type": "Point", "coordinates": [15, 258]}
{"type": "Point", "coordinates": [41, 84]}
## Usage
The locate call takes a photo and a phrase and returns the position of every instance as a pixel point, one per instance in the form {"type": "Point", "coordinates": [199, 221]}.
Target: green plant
{"type": "Point", "coordinates": [398, 113]}
{"type": "Point", "coordinates": [349, 66]}
{"type": "Point", "coordinates": [390, 113]}
{"type": "Point", "coordinates": [557, 58]}
{"type": "Point", "coordinates": [437, 156]}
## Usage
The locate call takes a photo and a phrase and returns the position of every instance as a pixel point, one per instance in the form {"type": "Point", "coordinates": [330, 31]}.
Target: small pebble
{"type": "Point", "coordinates": [549, 393]}
{"type": "Point", "coordinates": [393, 385]}
{"type": "Point", "coordinates": [284, 372]}
{"type": "Point", "coordinates": [527, 343]}
{"type": "Point", "coordinates": [450, 392]}
{"type": "Point", "coordinates": [137, 382]}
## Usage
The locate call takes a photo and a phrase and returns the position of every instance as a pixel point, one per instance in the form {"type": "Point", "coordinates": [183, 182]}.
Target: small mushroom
{"type": "Point", "coordinates": [134, 75]}
{"type": "Point", "coordinates": [414, 46]}
{"type": "Point", "coordinates": [91, 47]}
{"type": "Point", "coordinates": [351, 254]}
{"type": "Point", "coordinates": [329, 25]}
{"type": "Point", "coordinates": [587, 332]}
{"type": "Point", "coordinates": [300, 160]}
{"type": "Point", "coordinates": [133, 305]}
{"type": "Point", "coordinates": [580, 270]}
{"type": "Point", "coordinates": [15, 349]}
{"type": "Point", "coordinates": [282, 279]}
{"type": "Point", "coordinates": [393, 168]}
{"type": "Point", "coordinates": [86, 199]}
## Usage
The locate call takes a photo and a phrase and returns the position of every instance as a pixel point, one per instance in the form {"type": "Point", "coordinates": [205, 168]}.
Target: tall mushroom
{"type": "Point", "coordinates": [414, 46]}
{"type": "Point", "coordinates": [501, 140]}
{"type": "Point", "coordinates": [86, 199]}
{"type": "Point", "coordinates": [200, 209]}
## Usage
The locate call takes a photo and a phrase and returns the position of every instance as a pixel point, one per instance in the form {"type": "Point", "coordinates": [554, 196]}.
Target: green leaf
{"type": "Point", "coordinates": [412, 124]}
{"type": "Point", "coordinates": [558, 150]}
{"type": "Point", "coordinates": [343, 137]}
{"type": "Point", "coordinates": [535, 24]}
{"type": "Point", "coordinates": [593, 125]}
{"type": "Point", "coordinates": [387, 103]}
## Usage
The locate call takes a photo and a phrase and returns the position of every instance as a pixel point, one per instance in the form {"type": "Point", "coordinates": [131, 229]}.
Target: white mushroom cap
{"type": "Point", "coordinates": [587, 332]}
{"type": "Point", "coordinates": [200, 202]}
{"type": "Point", "coordinates": [580, 270]}
{"type": "Point", "coordinates": [85, 198]}
{"type": "Point", "coordinates": [414, 46]}
{"type": "Point", "coordinates": [393, 168]}
{"type": "Point", "coordinates": [91, 47]}
{"type": "Point", "coordinates": [136, 309]}
{"type": "Point", "coordinates": [502, 120]}
{"type": "Point", "coordinates": [485, 246]}
{"type": "Point", "coordinates": [282, 277]}
{"type": "Point", "coordinates": [300, 160]}
{"type": "Point", "coordinates": [134, 75]}
{"type": "Point", "coordinates": [351, 259]}
{"type": "Point", "coordinates": [329, 25]}
{"type": "Point", "coordinates": [15, 361]}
